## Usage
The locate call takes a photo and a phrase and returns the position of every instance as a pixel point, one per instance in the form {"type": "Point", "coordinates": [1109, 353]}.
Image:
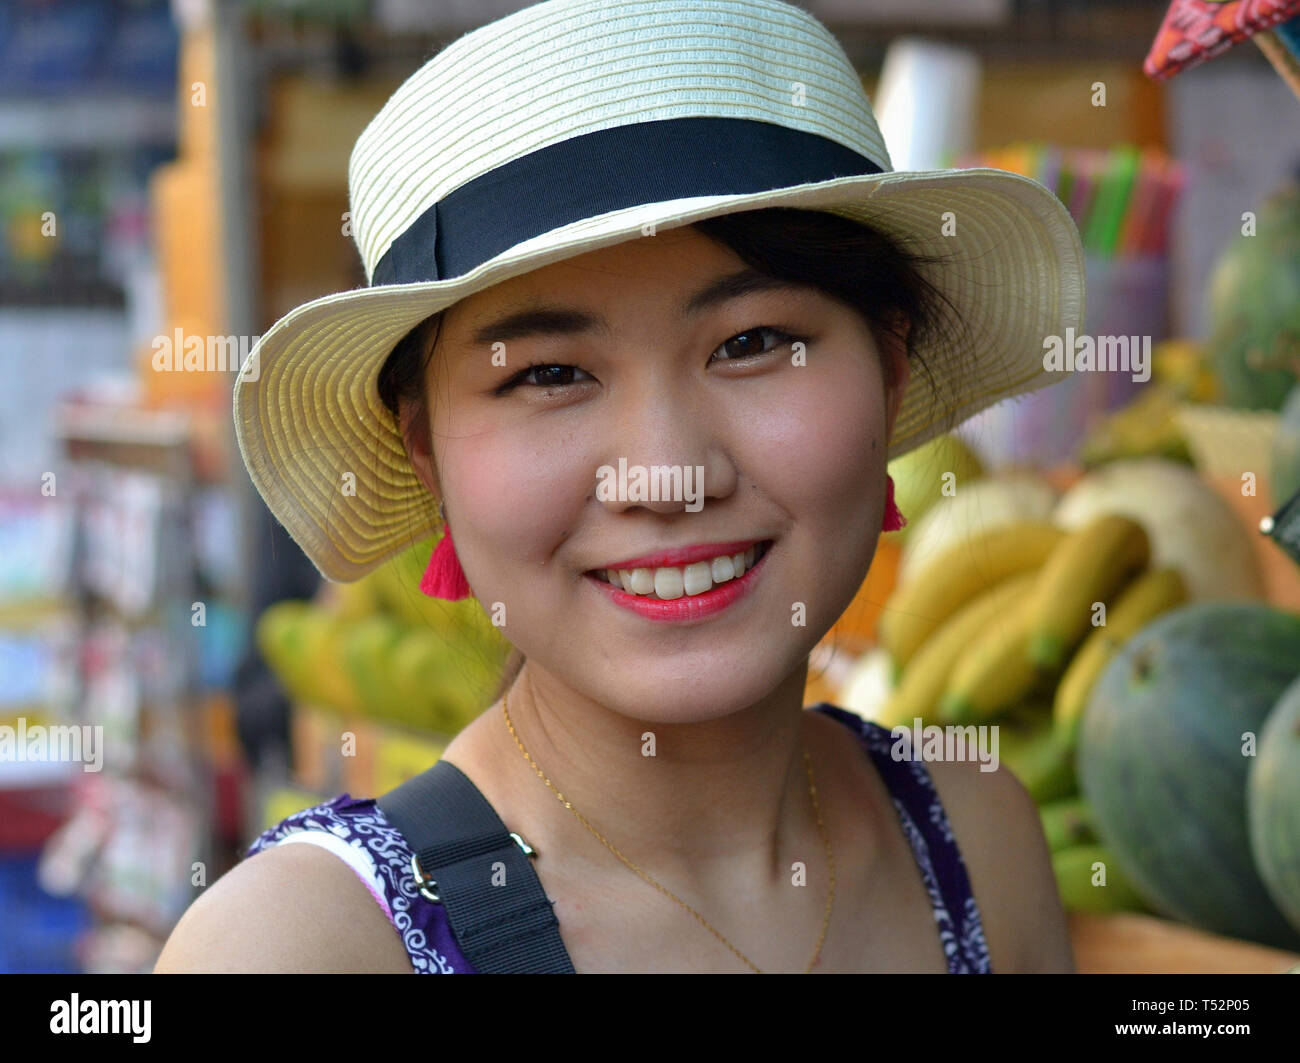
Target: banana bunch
{"type": "Point", "coordinates": [1088, 877]}
{"type": "Point", "coordinates": [378, 648]}
{"type": "Point", "coordinates": [1014, 627]}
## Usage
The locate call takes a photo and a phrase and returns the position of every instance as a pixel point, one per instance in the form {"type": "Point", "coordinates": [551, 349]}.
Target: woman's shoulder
{"type": "Point", "coordinates": [996, 825]}
{"type": "Point", "coordinates": [990, 828]}
{"type": "Point", "coordinates": [355, 829]}
{"type": "Point", "coordinates": [355, 834]}
{"type": "Point", "coordinates": [285, 909]}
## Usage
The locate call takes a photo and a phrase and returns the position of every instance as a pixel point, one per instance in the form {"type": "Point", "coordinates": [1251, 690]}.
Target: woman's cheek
{"type": "Point", "coordinates": [812, 447]}
{"type": "Point", "coordinates": [493, 480]}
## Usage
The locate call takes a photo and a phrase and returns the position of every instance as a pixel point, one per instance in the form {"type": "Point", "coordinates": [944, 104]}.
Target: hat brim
{"type": "Point", "coordinates": [325, 454]}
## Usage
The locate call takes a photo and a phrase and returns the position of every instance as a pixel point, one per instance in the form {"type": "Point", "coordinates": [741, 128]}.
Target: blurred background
{"type": "Point", "coordinates": [180, 169]}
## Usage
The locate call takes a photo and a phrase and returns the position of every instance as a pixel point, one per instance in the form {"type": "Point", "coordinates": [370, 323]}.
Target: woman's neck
{"type": "Point", "coordinates": [716, 807]}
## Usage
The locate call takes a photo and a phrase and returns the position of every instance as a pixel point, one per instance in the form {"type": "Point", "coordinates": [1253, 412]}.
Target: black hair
{"type": "Point", "coordinates": [861, 266]}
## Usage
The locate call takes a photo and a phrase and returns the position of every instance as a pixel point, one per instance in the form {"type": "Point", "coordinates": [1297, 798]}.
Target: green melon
{"type": "Point", "coordinates": [1284, 470]}
{"type": "Point", "coordinates": [919, 475]}
{"type": "Point", "coordinates": [1273, 803]}
{"type": "Point", "coordinates": [1254, 307]}
{"type": "Point", "coordinates": [1161, 761]}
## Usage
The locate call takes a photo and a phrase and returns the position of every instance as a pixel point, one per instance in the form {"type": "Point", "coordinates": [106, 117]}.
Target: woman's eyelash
{"type": "Point", "coordinates": [520, 377]}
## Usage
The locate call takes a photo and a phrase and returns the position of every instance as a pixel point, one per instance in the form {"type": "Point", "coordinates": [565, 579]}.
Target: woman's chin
{"type": "Point", "coordinates": [674, 702]}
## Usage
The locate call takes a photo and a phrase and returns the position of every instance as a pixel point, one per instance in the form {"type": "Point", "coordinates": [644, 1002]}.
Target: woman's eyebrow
{"type": "Point", "coordinates": [543, 320]}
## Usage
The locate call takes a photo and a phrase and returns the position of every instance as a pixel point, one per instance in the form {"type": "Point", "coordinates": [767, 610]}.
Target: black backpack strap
{"type": "Point", "coordinates": [457, 837]}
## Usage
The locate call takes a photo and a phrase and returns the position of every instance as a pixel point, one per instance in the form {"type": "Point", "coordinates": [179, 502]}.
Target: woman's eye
{"type": "Point", "coordinates": [749, 342]}
{"type": "Point", "coordinates": [551, 376]}
{"type": "Point", "coordinates": [542, 375]}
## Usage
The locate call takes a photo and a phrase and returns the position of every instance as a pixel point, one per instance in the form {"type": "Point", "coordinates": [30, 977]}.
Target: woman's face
{"type": "Point", "coordinates": [788, 443]}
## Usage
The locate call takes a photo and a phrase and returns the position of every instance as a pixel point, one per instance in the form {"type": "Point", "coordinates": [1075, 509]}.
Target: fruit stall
{"type": "Point", "coordinates": [1088, 571]}
{"type": "Point", "coordinates": [1127, 616]}
{"type": "Point", "coordinates": [1121, 620]}
{"type": "Point", "coordinates": [1136, 639]}
{"type": "Point", "coordinates": [381, 678]}
{"type": "Point", "coordinates": [1107, 570]}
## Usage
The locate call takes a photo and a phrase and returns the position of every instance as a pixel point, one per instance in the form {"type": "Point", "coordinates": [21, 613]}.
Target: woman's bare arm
{"type": "Point", "coordinates": [293, 909]}
{"type": "Point", "coordinates": [1000, 837]}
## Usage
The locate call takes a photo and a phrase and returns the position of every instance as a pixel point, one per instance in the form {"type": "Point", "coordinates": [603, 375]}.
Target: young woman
{"type": "Point", "coordinates": [693, 276]}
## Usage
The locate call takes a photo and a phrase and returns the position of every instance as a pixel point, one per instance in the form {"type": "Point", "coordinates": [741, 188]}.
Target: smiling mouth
{"type": "Point", "coordinates": [679, 581]}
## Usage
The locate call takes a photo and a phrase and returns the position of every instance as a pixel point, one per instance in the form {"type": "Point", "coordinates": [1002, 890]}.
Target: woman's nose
{"type": "Point", "coordinates": [667, 453]}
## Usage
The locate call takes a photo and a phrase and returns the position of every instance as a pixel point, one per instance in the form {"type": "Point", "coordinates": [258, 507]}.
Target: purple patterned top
{"type": "Point", "coordinates": [357, 831]}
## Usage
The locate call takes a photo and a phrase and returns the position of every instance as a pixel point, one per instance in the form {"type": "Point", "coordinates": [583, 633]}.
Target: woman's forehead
{"type": "Point", "coordinates": [668, 262]}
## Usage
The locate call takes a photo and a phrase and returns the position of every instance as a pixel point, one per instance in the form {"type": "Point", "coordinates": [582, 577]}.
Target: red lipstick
{"type": "Point", "coordinates": [684, 555]}
{"type": "Point", "coordinates": [688, 607]}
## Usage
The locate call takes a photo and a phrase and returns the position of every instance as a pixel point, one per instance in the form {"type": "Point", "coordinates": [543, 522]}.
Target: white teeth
{"type": "Point", "coordinates": [697, 578]}
{"type": "Point", "coordinates": [670, 583]}
{"type": "Point", "coordinates": [642, 581]}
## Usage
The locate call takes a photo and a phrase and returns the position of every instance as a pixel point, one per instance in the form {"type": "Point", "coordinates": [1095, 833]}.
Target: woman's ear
{"type": "Point", "coordinates": [419, 444]}
{"type": "Point", "coordinates": [893, 357]}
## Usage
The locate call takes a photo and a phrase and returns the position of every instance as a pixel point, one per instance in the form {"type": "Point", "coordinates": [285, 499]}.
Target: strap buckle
{"type": "Point", "coordinates": [428, 887]}
{"type": "Point", "coordinates": [423, 881]}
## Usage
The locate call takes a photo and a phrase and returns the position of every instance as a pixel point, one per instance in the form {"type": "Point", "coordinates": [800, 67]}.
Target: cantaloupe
{"type": "Point", "coordinates": [977, 507]}
{"type": "Point", "coordinates": [1190, 526]}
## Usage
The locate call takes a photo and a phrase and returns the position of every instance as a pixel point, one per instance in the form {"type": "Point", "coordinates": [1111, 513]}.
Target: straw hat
{"type": "Point", "coordinates": [567, 127]}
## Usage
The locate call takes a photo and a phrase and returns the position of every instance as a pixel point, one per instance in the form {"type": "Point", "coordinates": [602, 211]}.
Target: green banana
{"type": "Point", "coordinates": [1029, 746]}
{"type": "Point", "coordinates": [1075, 877]}
{"type": "Point", "coordinates": [1067, 822]}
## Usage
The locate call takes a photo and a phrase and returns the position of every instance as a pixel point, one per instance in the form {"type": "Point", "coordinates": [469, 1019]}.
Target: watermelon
{"type": "Point", "coordinates": [1254, 307]}
{"type": "Point", "coordinates": [1273, 803]}
{"type": "Point", "coordinates": [1160, 761]}
{"type": "Point", "coordinates": [1284, 471]}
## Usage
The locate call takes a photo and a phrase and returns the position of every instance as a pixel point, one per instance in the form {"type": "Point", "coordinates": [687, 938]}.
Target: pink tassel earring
{"type": "Point", "coordinates": [894, 519]}
{"type": "Point", "coordinates": [444, 578]}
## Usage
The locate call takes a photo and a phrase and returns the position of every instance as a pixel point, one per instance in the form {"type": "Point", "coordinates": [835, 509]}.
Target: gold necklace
{"type": "Point", "coordinates": [821, 827]}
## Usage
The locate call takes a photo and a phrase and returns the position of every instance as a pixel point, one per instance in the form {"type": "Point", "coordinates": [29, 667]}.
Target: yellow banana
{"type": "Point", "coordinates": [994, 672]}
{"type": "Point", "coordinates": [922, 682]}
{"type": "Point", "coordinates": [919, 606]}
{"type": "Point", "coordinates": [1088, 566]}
{"type": "Point", "coordinates": [1155, 591]}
